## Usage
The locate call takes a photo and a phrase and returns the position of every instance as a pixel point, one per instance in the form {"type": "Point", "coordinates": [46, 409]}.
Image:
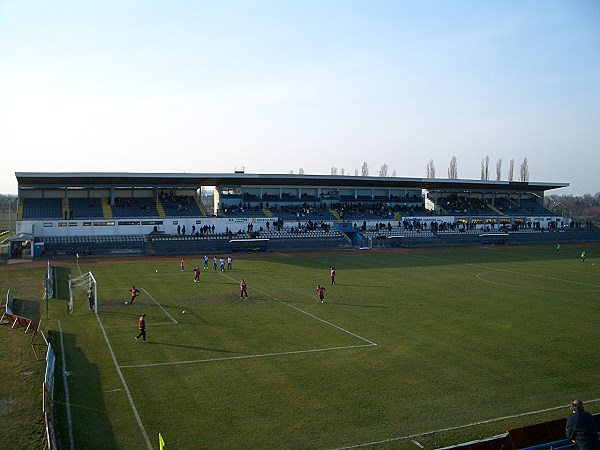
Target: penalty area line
{"type": "Point", "coordinates": [160, 306]}
{"type": "Point", "coordinates": [138, 419]}
{"type": "Point", "coordinates": [310, 315]}
{"type": "Point", "coordinates": [234, 358]}
{"type": "Point", "coordinates": [158, 324]}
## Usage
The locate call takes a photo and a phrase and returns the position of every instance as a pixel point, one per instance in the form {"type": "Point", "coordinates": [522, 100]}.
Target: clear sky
{"type": "Point", "coordinates": [275, 86]}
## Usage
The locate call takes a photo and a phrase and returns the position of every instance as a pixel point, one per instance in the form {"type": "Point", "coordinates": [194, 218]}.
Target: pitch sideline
{"type": "Point", "coordinates": [458, 427]}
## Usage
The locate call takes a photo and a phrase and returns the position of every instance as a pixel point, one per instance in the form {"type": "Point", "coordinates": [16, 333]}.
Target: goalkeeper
{"type": "Point", "coordinates": [90, 294]}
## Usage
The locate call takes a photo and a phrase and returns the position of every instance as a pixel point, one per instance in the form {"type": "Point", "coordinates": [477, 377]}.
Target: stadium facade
{"type": "Point", "coordinates": [89, 205]}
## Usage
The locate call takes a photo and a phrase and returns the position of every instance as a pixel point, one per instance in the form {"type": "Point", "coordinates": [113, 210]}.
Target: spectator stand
{"type": "Point", "coordinates": [134, 207]}
{"type": "Point", "coordinates": [179, 205]}
{"type": "Point", "coordinates": [85, 208]}
{"type": "Point", "coordinates": [42, 208]}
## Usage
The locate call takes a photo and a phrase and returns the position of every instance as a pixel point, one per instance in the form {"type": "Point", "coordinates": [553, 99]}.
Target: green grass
{"type": "Point", "coordinates": [22, 375]}
{"type": "Point", "coordinates": [462, 336]}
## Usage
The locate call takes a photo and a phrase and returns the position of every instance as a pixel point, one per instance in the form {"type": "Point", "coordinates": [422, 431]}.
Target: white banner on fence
{"type": "Point", "coordinates": [49, 379]}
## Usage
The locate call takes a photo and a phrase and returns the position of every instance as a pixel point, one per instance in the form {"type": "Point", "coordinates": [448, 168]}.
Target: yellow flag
{"type": "Point", "coordinates": [161, 442]}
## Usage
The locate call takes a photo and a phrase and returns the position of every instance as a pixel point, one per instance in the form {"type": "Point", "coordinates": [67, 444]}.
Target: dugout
{"type": "Point", "coordinates": [248, 245]}
{"type": "Point", "coordinates": [494, 238]}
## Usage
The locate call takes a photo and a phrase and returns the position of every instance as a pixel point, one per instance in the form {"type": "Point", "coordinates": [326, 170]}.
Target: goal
{"type": "Point", "coordinates": [83, 294]}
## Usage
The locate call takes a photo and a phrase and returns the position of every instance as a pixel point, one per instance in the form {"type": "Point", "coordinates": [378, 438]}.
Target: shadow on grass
{"type": "Point", "coordinates": [378, 286]}
{"type": "Point", "coordinates": [61, 282]}
{"type": "Point", "coordinates": [29, 309]}
{"type": "Point", "coordinates": [356, 305]}
{"type": "Point", "coordinates": [91, 425]}
{"type": "Point", "coordinates": [194, 347]}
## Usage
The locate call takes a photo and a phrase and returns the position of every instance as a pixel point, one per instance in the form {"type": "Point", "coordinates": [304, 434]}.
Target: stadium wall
{"type": "Point", "coordinates": [40, 229]}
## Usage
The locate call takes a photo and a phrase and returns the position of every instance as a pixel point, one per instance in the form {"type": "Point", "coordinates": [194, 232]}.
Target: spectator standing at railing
{"type": "Point", "coordinates": [581, 428]}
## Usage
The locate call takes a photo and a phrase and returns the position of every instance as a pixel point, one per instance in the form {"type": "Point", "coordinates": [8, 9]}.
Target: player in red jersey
{"type": "Point", "coordinates": [134, 293]}
{"type": "Point", "coordinates": [142, 327]}
{"type": "Point", "coordinates": [321, 292]}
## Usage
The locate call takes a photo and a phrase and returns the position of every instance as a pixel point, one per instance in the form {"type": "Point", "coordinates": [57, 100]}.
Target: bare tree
{"type": "Point", "coordinates": [365, 169]}
{"type": "Point", "coordinates": [430, 169]}
{"type": "Point", "coordinates": [343, 171]}
{"type": "Point", "coordinates": [334, 171]}
{"type": "Point", "coordinates": [499, 170]}
{"type": "Point", "coordinates": [394, 173]}
{"type": "Point", "coordinates": [301, 171]}
{"type": "Point", "coordinates": [291, 172]}
{"type": "Point", "coordinates": [383, 172]}
{"type": "Point", "coordinates": [487, 167]}
{"type": "Point", "coordinates": [355, 172]}
{"type": "Point", "coordinates": [524, 175]}
{"type": "Point", "coordinates": [453, 169]}
{"type": "Point", "coordinates": [511, 170]}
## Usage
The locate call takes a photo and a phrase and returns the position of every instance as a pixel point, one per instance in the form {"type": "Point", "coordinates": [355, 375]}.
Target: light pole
{"type": "Point", "coordinates": [8, 201]}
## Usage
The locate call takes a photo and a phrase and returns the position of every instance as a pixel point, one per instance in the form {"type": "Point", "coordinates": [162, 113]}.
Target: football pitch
{"type": "Point", "coordinates": [419, 348]}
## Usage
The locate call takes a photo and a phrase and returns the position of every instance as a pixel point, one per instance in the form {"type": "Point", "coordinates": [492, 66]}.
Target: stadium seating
{"type": "Point", "coordinates": [180, 206]}
{"type": "Point", "coordinates": [86, 208]}
{"type": "Point", "coordinates": [42, 208]}
{"type": "Point", "coordinates": [134, 207]}
{"type": "Point", "coordinates": [95, 245]}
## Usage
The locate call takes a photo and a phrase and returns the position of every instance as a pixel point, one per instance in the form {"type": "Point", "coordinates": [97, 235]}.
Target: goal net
{"type": "Point", "coordinates": [83, 294]}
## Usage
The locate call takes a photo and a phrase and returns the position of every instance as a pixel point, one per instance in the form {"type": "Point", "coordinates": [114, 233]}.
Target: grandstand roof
{"type": "Point", "coordinates": [61, 180]}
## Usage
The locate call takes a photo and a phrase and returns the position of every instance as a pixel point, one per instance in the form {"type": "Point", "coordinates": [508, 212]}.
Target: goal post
{"type": "Point", "coordinates": [83, 294]}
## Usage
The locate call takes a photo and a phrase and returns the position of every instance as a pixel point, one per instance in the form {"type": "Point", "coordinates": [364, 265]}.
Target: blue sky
{"type": "Point", "coordinates": [275, 86]}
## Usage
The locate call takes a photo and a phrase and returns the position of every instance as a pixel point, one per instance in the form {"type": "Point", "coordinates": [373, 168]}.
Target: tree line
{"type": "Point", "coordinates": [452, 170]}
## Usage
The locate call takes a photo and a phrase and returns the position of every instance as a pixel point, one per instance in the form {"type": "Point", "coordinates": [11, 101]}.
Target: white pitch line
{"type": "Point", "coordinates": [113, 327]}
{"type": "Point", "coordinates": [66, 385]}
{"type": "Point", "coordinates": [160, 306]}
{"type": "Point", "coordinates": [326, 322]}
{"type": "Point", "coordinates": [516, 272]}
{"type": "Point", "coordinates": [469, 425]}
{"type": "Point", "coordinates": [308, 314]}
{"type": "Point", "coordinates": [133, 408]}
{"type": "Point", "coordinates": [479, 276]}
{"type": "Point", "coordinates": [232, 358]}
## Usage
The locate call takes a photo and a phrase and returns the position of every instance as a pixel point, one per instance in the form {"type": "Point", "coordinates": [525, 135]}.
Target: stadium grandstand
{"type": "Point", "coordinates": [148, 213]}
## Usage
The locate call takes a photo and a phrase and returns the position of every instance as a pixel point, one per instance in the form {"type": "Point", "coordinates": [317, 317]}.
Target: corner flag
{"type": "Point", "coordinates": [161, 442]}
